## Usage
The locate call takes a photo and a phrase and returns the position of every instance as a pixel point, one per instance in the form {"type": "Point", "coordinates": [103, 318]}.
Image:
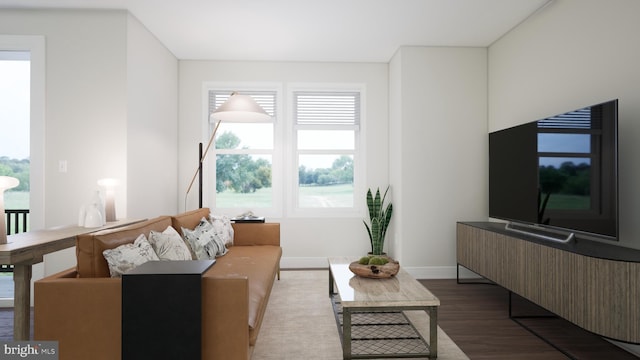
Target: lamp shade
{"type": "Point", "coordinates": [108, 182]}
{"type": "Point", "coordinates": [240, 108]}
{"type": "Point", "coordinates": [8, 182]}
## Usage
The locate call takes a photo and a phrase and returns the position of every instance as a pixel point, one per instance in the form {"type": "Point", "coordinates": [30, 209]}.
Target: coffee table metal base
{"type": "Point", "coordinates": [375, 333]}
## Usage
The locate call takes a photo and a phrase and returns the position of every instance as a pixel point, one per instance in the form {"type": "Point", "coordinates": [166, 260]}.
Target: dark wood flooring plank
{"type": "Point", "coordinates": [476, 317]}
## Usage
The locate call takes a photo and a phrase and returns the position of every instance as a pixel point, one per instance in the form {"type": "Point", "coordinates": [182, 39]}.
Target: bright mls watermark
{"type": "Point", "coordinates": [29, 350]}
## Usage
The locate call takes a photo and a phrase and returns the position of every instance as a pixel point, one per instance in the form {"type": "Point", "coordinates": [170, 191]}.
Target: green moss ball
{"type": "Point", "coordinates": [364, 260]}
{"type": "Point", "coordinates": [378, 261]}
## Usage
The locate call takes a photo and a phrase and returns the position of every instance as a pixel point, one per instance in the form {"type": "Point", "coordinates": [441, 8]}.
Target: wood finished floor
{"type": "Point", "coordinates": [476, 317]}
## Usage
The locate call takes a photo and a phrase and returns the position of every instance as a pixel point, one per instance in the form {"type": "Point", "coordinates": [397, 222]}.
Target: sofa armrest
{"type": "Point", "coordinates": [247, 234]}
{"type": "Point", "coordinates": [82, 314]}
{"type": "Point", "coordinates": [225, 317]}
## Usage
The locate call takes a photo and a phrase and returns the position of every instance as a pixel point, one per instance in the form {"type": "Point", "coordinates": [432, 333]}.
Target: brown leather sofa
{"type": "Point", "coordinates": [81, 307]}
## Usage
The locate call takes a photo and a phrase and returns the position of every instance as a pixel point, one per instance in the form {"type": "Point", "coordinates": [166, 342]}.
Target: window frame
{"type": "Point", "coordinates": [209, 175]}
{"type": "Point", "coordinates": [35, 45]}
{"type": "Point", "coordinates": [292, 161]}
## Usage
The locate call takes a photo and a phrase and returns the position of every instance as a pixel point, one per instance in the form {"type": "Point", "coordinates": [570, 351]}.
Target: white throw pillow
{"type": "Point", "coordinates": [128, 256]}
{"type": "Point", "coordinates": [169, 245]}
{"type": "Point", "coordinates": [222, 225]}
{"type": "Point", "coordinates": [204, 241]}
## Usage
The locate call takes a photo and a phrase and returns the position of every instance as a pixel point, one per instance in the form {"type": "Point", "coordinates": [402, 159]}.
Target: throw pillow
{"type": "Point", "coordinates": [169, 245]}
{"type": "Point", "coordinates": [222, 225]}
{"type": "Point", "coordinates": [204, 241]}
{"type": "Point", "coordinates": [128, 256]}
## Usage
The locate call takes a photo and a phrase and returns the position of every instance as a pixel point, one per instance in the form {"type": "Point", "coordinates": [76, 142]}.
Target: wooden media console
{"type": "Point", "coordinates": [589, 283]}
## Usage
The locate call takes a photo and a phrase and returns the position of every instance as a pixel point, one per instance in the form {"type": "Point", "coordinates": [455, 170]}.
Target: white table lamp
{"type": "Point", "coordinates": [6, 182]}
{"type": "Point", "coordinates": [109, 198]}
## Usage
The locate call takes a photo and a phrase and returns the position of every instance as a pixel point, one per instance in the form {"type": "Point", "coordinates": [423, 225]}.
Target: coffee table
{"type": "Point", "coordinates": [364, 295]}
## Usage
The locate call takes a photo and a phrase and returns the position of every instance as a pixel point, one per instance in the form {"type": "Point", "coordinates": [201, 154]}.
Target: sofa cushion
{"type": "Point", "coordinates": [89, 247]}
{"type": "Point", "coordinates": [169, 245]}
{"type": "Point", "coordinates": [129, 256]}
{"type": "Point", "coordinates": [260, 265]}
{"type": "Point", "coordinates": [204, 241]}
{"type": "Point", "coordinates": [222, 225]}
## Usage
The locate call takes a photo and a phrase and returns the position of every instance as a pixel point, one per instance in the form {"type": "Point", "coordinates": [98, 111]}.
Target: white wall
{"type": "Point", "coordinates": [306, 242]}
{"type": "Point", "coordinates": [152, 127]}
{"type": "Point", "coordinates": [438, 142]}
{"type": "Point", "coordinates": [572, 54]}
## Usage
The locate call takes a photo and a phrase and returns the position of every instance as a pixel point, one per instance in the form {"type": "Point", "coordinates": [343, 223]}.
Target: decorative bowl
{"type": "Point", "coordinates": [385, 271]}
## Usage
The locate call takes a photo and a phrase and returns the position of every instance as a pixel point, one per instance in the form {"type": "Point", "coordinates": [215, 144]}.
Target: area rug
{"type": "Point", "coordinates": [299, 322]}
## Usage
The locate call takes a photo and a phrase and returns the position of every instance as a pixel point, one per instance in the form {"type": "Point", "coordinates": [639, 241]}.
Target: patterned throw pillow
{"type": "Point", "coordinates": [128, 256]}
{"type": "Point", "coordinates": [204, 241]}
{"type": "Point", "coordinates": [169, 245]}
{"type": "Point", "coordinates": [222, 226]}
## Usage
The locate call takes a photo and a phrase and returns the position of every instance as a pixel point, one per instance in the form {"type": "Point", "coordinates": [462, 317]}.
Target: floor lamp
{"type": "Point", "coordinates": [6, 182]}
{"type": "Point", "coordinates": [238, 108]}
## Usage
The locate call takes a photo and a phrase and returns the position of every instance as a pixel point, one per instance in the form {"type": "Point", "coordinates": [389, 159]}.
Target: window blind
{"type": "Point", "coordinates": [326, 108]}
{"type": "Point", "coordinates": [266, 99]}
{"type": "Point", "coordinates": [579, 119]}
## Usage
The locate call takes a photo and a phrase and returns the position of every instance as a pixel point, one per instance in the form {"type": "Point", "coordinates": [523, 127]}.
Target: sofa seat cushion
{"type": "Point", "coordinates": [260, 265]}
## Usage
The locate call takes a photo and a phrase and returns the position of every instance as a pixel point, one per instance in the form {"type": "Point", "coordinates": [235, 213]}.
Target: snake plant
{"type": "Point", "coordinates": [379, 218]}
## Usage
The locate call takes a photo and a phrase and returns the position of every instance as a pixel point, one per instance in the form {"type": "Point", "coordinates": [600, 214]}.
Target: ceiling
{"type": "Point", "coordinates": [304, 30]}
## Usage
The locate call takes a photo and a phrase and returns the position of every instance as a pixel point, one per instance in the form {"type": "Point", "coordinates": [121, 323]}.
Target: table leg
{"type": "Point", "coordinates": [22, 302]}
{"type": "Point", "coordinates": [346, 333]}
{"type": "Point", "coordinates": [433, 332]}
{"type": "Point", "coordinates": [331, 291]}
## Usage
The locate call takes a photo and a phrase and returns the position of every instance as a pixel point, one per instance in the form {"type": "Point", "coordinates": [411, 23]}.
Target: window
{"type": "Point", "coordinates": [15, 92]}
{"type": "Point", "coordinates": [326, 137]}
{"type": "Point", "coordinates": [322, 170]}
{"type": "Point", "coordinates": [245, 155]}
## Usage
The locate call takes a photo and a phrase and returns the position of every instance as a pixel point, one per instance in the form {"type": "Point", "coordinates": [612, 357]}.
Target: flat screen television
{"type": "Point", "coordinates": [559, 173]}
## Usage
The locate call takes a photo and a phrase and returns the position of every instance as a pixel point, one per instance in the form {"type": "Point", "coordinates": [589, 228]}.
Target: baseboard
{"type": "Point", "coordinates": [304, 263]}
{"type": "Point", "coordinates": [431, 272]}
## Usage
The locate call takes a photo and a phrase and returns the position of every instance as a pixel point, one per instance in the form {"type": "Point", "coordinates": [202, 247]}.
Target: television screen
{"type": "Point", "coordinates": [559, 172]}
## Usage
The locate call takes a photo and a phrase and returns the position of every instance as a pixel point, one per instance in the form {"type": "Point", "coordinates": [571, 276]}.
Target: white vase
{"type": "Point", "coordinates": [93, 217]}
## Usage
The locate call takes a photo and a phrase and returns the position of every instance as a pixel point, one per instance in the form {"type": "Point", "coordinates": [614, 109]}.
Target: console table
{"type": "Point", "coordinates": [25, 249]}
{"type": "Point", "coordinates": [592, 284]}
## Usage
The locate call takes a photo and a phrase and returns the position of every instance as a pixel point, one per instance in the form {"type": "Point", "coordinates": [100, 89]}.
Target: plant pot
{"type": "Point", "coordinates": [385, 271]}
